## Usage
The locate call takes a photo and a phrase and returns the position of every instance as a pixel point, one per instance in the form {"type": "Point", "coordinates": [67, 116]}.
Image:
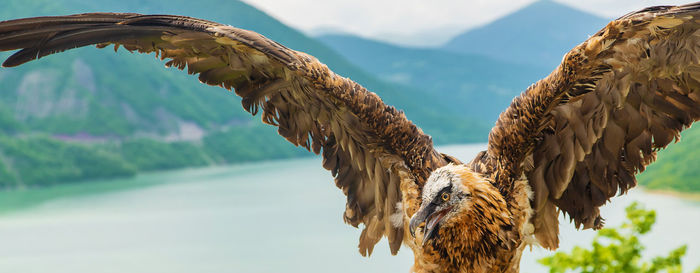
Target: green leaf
{"type": "Point", "coordinates": [618, 250]}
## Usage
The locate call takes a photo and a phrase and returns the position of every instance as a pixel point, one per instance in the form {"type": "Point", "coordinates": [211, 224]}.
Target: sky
{"type": "Point", "coordinates": [400, 21]}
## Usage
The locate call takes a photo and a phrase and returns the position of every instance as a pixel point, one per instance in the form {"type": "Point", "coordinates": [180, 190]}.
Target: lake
{"type": "Point", "coordinates": [280, 216]}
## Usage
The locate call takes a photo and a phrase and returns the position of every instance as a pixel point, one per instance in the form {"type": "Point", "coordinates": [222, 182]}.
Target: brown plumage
{"type": "Point", "coordinates": [569, 143]}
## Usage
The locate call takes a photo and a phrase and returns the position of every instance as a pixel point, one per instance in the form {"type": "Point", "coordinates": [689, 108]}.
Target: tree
{"type": "Point", "coordinates": [618, 250]}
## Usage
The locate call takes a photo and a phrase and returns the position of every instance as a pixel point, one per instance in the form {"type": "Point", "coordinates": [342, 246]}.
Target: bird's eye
{"type": "Point", "coordinates": [445, 196]}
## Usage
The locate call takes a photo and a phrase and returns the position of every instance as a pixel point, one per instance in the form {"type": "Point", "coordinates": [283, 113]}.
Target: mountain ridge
{"type": "Point", "coordinates": [477, 86]}
{"type": "Point", "coordinates": [674, 168]}
{"type": "Point", "coordinates": [564, 26]}
{"type": "Point", "coordinates": [75, 116]}
{"type": "Point", "coordinates": [128, 113]}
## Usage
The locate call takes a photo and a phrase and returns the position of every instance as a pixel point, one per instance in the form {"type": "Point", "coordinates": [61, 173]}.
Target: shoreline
{"type": "Point", "coordinates": [694, 196]}
{"type": "Point", "coordinates": [459, 150]}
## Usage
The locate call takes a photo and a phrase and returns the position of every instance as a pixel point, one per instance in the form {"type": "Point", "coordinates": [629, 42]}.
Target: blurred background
{"type": "Point", "coordinates": [111, 163]}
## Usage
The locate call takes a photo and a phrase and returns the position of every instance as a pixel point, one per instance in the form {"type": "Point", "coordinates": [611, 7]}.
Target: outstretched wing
{"type": "Point", "coordinates": [582, 134]}
{"type": "Point", "coordinates": [368, 146]}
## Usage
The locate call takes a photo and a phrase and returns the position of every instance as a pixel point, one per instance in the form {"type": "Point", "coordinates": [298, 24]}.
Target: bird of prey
{"type": "Point", "coordinates": [567, 144]}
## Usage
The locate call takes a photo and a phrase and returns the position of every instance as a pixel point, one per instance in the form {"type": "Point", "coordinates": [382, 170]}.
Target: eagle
{"type": "Point", "coordinates": [568, 143]}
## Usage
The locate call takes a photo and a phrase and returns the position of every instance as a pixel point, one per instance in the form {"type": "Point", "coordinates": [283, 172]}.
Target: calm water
{"type": "Point", "coordinates": [282, 216]}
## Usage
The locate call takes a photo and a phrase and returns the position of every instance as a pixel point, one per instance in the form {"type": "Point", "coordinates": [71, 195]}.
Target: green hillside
{"type": "Point", "coordinates": [474, 85]}
{"type": "Point", "coordinates": [147, 74]}
{"type": "Point", "coordinates": [91, 113]}
{"type": "Point", "coordinates": [128, 113]}
{"type": "Point", "coordinates": [677, 167]}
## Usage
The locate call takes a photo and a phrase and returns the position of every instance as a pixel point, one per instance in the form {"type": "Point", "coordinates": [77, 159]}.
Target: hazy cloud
{"type": "Point", "coordinates": [394, 19]}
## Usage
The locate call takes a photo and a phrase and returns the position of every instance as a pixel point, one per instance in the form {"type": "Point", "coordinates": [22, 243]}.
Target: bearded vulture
{"type": "Point", "coordinates": [569, 143]}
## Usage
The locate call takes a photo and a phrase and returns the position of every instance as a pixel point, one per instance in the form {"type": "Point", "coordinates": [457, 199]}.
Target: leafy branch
{"type": "Point", "coordinates": [618, 250]}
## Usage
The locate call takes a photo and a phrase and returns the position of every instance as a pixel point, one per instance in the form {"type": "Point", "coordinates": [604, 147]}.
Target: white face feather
{"type": "Point", "coordinates": [445, 194]}
{"type": "Point", "coordinates": [441, 178]}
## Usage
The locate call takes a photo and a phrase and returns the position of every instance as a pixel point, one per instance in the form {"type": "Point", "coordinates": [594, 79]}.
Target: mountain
{"type": "Point", "coordinates": [90, 113]}
{"type": "Point", "coordinates": [210, 108]}
{"type": "Point", "coordinates": [472, 85]}
{"type": "Point", "coordinates": [539, 34]}
{"type": "Point", "coordinates": [474, 79]}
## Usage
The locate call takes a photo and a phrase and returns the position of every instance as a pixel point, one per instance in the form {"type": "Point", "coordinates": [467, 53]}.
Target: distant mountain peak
{"type": "Point", "coordinates": [537, 34]}
{"type": "Point", "coordinates": [549, 4]}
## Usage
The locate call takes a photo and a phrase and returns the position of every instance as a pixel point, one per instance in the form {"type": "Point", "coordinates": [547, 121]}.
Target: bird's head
{"type": "Point", "coordinates": [457, 199]}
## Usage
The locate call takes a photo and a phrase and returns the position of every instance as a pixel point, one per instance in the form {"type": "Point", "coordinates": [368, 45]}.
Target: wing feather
{"type": "Point", "coordinates": [600, 117]}
{"type": "Point", "coordinates": [368, 146]}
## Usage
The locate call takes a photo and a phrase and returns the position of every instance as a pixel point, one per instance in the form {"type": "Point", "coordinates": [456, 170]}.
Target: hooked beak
{"type": "Point", "coordinates": [432, 219]}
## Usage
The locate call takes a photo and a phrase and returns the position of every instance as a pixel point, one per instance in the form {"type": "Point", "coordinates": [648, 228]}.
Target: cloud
{"type": "Point", "coordinates": [384, 19]}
